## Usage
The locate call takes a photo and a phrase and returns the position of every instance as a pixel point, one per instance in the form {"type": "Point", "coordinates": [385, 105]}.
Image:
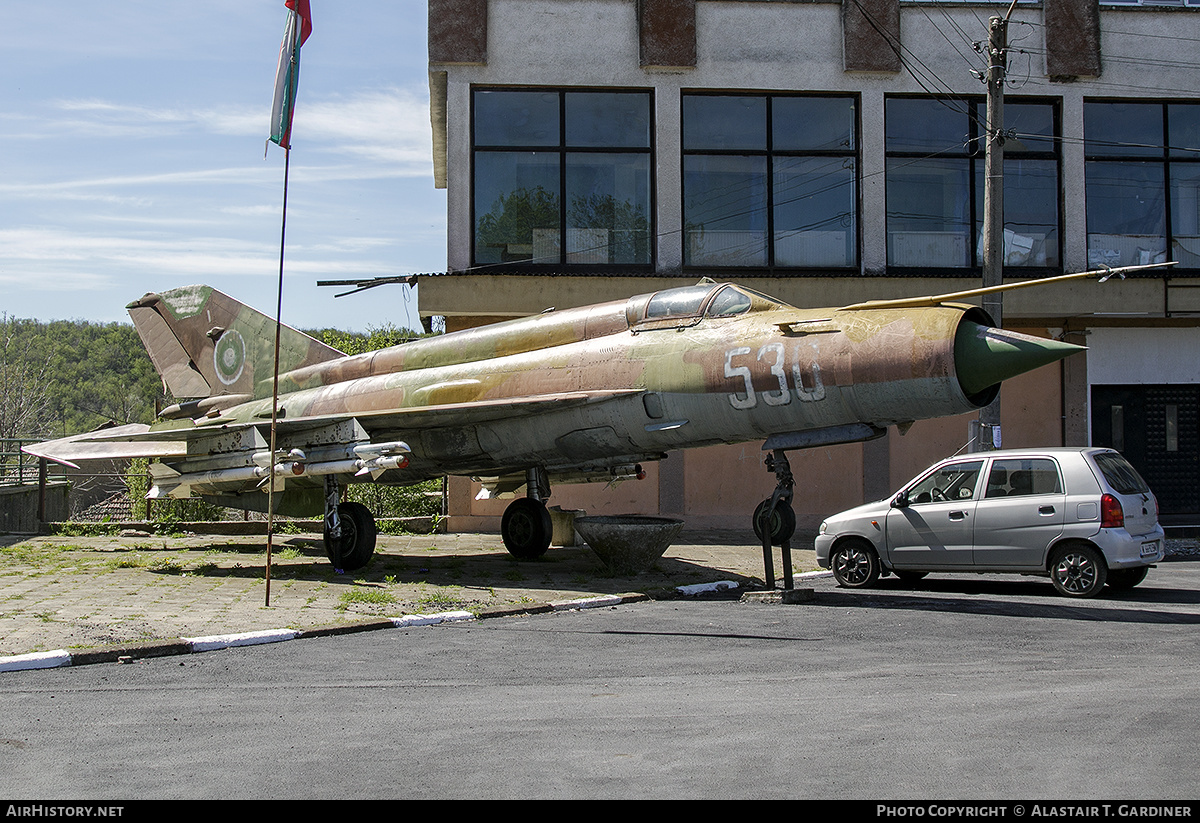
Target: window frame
{"type": "Point", "coordinates": [1168, 160]}
{"type": "Point", "coordinates": [973, 155]}
{"type": "Point", "coordinates": [563, 151]}
{"type": "Point", "coordinates": [769, 154]}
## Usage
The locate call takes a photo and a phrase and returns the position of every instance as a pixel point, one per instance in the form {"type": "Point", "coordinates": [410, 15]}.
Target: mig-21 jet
{"type": "Point", "coordinates": [574, 395]}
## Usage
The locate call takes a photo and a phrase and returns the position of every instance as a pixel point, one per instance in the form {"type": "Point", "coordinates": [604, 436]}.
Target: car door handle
{"type": "Point", "coordinates": [958, 515]}
{"type": "Point", "coordinates": [1046, 510]}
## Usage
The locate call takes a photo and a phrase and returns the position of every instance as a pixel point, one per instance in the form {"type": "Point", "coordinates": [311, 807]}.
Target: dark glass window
{"type": "Point", "coordinates": [935, 183]}
{"type": "Point", "coordinates": [770, 181]}
{"type": "Point", "coordinates": [551, 165]}
{"type": "Point", "coordinates": [1143, 183]}
{"type": "Point", "coordinates": [1019, 477]}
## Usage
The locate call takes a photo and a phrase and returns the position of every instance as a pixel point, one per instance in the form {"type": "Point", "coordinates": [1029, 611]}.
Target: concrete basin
{"type": "Point", "coordinates": [628, 543]}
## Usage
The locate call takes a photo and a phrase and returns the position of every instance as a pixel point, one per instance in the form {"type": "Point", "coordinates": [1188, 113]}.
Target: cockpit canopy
{"type": "Point", "coordinates": [688, 305]}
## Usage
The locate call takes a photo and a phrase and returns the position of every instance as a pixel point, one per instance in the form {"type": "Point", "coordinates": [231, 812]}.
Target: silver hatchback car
{"type": "Point", "coordinates": [1082, 516]}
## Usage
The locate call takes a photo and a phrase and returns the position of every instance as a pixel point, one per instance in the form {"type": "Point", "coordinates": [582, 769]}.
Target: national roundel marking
{"type": "Point", "coordinates": [229, 356]}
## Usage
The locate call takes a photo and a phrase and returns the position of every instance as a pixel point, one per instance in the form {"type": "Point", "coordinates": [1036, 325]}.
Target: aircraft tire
{"type": "Point", "coordinates": [782, 525]}
{"type": "Point", "coordinates": [357, 544]}
{"type": "Point", "coordinates": [526, 528]}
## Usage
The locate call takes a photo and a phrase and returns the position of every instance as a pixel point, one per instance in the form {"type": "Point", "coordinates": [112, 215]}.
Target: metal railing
{"type": "Point", "coordinates": [18, 468]}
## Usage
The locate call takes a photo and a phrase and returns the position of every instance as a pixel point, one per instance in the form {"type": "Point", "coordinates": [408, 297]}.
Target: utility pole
{"type": "Point", "coordinates": [993, 205]}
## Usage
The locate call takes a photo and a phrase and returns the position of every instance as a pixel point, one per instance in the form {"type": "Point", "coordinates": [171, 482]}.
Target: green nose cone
{"type": "Point", "coordinates": [985, 355]}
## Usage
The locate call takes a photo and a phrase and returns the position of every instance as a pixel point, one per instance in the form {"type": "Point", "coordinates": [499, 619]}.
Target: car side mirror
{"type": "Point", "coordinates": [900, 501]}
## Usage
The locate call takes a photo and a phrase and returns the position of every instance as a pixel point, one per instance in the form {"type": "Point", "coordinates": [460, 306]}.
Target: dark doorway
{"type": "Point", "coordinates": [1157, 428]}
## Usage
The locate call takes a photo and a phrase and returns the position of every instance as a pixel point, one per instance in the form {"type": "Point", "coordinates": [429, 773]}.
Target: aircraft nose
{"type": "Point", "coordinates": [984, 355]}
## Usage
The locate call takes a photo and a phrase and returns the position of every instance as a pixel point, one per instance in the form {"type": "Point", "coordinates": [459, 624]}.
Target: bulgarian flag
{"type": "Point", "coordinates": [287, 75]}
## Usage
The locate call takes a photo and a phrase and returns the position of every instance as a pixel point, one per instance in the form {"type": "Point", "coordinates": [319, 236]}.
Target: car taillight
{"type": "Point", "coordinates": [1111, 515]}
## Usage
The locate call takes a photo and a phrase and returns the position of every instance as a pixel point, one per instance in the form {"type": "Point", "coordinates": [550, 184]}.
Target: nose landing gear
{"type": "Point", "coordinates": [775, 519]}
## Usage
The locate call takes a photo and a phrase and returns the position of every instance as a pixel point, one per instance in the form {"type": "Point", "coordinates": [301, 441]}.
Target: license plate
{"type": "Point", "coordinates": [1150, 548]}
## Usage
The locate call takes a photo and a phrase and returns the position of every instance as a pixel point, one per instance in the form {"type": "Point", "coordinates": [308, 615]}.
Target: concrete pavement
{"type": "Point", "coordinates": [67, 600]}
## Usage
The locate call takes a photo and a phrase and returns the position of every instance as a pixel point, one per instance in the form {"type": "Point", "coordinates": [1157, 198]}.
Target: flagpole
{"type": "Point", "coordinates": [286, 81]}
{"type": "Point", "coordinates": [287, 158]}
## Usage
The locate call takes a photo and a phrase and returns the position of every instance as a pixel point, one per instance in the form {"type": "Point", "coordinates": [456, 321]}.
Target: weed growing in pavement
{"type": "Point", "coordinates": [441, 599]}
{"type": "Point", "coordinates": [372, 597]}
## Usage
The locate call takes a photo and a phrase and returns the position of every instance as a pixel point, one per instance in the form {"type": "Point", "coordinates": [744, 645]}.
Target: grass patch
{"type": "Point", "coordinates": [368, 597]}
{"type": "Point", "coordinates": [442, 599]}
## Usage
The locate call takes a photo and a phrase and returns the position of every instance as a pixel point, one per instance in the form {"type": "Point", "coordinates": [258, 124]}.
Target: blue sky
{"type": "Point", "coordinates": [132, 136]}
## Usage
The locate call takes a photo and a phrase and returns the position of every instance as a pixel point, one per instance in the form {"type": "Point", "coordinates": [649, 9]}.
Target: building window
{"type": "Point", "coordinates": [551, 165]}
{"type": "Point", "coordinates": [1143, 183]}
{"type": "Point", "coordinates": [770, 181]}
{"type": "Point", "coordinates": [1150, 3]}
{"type": "Point", "coordinates": [935, 183]}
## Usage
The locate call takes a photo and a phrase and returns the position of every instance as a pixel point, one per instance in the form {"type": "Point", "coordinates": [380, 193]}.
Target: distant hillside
{"type": "Point", "coordinates": [66, 377]}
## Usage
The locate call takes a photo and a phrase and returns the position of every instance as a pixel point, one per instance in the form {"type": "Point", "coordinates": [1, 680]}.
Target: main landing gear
{"type": "Point", "coordinates": [775, 519]}
{"type": "Point", "coordinates": [526, 526]}
{"type": "Point", "coordinates": [349, 530]}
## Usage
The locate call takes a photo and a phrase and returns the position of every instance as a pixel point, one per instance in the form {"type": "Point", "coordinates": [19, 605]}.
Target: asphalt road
{"type": "Point", "coordinates": [965, 687]}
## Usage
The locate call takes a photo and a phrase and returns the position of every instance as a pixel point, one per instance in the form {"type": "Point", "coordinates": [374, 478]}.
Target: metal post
{"type": "Point", "coordinates": [41, 514]}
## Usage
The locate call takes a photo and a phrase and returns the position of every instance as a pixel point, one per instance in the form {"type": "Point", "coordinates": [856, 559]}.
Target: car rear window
{"type": "Point", "coordinates": [1119, 474]}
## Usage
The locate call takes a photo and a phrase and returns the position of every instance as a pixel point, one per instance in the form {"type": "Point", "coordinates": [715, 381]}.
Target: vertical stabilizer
{"type": "Point", "coordinates": [205, 343]}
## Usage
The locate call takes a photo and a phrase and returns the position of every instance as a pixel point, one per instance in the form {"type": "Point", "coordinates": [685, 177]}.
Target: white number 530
{"type": "Point", "coordinates": [771, 357]}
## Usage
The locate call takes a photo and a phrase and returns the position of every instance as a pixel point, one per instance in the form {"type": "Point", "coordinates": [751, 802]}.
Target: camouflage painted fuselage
{"type": "Point", "coordinates": [581, 393]}
{"type": "Point", "coordinates": [653, 385]}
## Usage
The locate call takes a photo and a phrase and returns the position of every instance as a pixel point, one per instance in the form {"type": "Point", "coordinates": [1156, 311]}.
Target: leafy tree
{"type": "Point", "coordinates": [515, 215]}
{"type": "Point", "coordinates": [376, 337]}
{"type": "Point", "coordinates": [24, 362]}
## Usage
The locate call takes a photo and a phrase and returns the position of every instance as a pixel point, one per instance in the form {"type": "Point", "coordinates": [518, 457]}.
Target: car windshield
{"type": "Point", "coordinates": [1120, 475]}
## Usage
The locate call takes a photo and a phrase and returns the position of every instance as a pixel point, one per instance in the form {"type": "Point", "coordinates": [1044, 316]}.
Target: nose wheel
{"type": "Point", "coordinates": [774, 519]}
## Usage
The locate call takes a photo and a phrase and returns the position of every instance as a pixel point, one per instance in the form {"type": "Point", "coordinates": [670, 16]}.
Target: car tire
{"type": "Point", "coordinates": [855, 565]}
{"type": "Point", "coordinates": [1078, 570]}
{"type": "Point", "coordinates": [1124, 579]}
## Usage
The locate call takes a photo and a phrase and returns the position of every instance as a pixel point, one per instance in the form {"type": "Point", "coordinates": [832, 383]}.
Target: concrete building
{"type": "Point", "coordinates": [826, 153]}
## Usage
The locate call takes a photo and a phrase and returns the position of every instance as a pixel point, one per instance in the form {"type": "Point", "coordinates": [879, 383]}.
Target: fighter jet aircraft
{"type": "Point", "coordinates": [581, 394]}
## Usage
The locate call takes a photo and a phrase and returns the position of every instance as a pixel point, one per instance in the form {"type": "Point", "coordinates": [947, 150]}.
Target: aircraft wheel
{"type": "Point", "coordinates": [782, 525]}
{"type": "Point", "coordinates": [526, 528]}
{"type": "Point", "coordinates": [357, 543]}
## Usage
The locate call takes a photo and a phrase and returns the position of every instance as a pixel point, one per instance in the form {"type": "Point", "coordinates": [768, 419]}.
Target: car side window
{"type": "Point", "coordinates": [953, 482]}
{"type": "Point", "coordinates": [1025, 476]}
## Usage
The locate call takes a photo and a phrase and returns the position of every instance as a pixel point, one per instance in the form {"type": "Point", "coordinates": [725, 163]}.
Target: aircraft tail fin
{"type": "Point", "coordinates": [204, 343]}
